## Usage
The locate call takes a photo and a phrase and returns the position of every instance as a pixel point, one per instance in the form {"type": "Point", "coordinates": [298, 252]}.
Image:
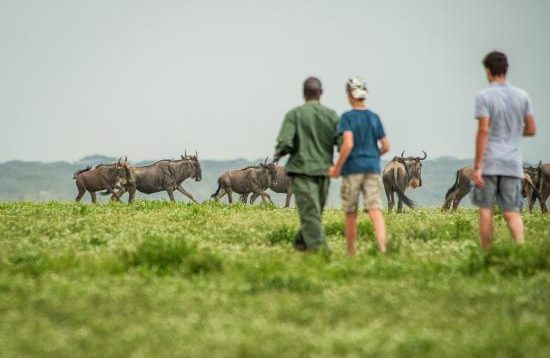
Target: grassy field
{"type": "Point", "coordinates": [160, 279]}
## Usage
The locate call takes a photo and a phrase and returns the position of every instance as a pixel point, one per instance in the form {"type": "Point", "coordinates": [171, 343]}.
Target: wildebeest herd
{"type": "Point", "coordinates": [400, 173]}
{"type": "Point", "coordinates": [535, 186]}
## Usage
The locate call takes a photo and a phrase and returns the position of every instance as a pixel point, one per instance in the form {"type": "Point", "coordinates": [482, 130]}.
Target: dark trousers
{"type": "Point", "coordinates": [311, 195]}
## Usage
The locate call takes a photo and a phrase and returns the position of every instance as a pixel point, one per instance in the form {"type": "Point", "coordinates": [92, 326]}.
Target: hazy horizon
{"type": "Point", "coordinates": [151, 79]}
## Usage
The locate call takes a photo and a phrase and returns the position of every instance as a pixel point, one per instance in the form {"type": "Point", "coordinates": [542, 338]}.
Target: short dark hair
{"type": "Point", "coordinates": [497, 63]}
{"type": "Point", "coordinates": [312, 88]}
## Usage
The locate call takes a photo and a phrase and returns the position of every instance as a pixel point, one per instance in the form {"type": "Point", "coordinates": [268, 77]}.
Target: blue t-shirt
{"type": "Point", "coordinates": [367, 129]}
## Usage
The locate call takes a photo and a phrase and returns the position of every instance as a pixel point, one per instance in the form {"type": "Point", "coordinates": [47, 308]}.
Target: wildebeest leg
{"type": "Point", "coordinates": [244, 198]}
{"type": "Point", "coordinates": [119, 193]}
{"type": "Point", "coordinates": [399, 205]}
{"type": "Point", "coordinates": [542, 200]}
{"type": "Point", "coordinates": [113, 194]}
{"type": "Point", "coordinates": [131, 193]}
{"type": "Point", "coordinates": [81, 190]}
{"type": "Point", "coordinates": [265, 195]}
{"type": "Point", "coordinates": [391, 200]}
{"type": "Point", "coordinates": [94, 197]}
{"type": "Point", "coordinates": [253, 198]}
{"type": "Point", "coordinates": [288, 197]}
{"type": "Point", "coordinates": [450, 200]}
{"type": "Point", "coordinates": [459, 196]}
{"type": "Point", "coordinates": [230, 196]}
{"type": "Point", "coordinates": [389, 196]}
{"type": "Point", "coordinates": [170, 194]}
{"type": "Point", "coordinates": [186, 193]}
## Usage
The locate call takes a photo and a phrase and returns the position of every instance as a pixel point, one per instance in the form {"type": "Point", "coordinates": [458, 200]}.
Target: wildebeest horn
{"type": "Point", "coordinates": [402, 153]}
{"type": "Point", "coordinates": [182, 157]}
{"type": "Point", "coordinates": [119, 159]}
{"type": "Point", "coordinates": [425, 156]}
{"type": "Point", "coordinates": [196, 154]}
{"type": "Point", "coordinates": [126, 158]}
{"type": "Point", "coordinates": [185, 153]}
{"type": "Point", "coordinates": [265, 161]}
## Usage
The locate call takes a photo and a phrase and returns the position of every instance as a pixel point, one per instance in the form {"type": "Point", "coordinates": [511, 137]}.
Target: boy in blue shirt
{"type": "Point", "coordinates": [359, 164]}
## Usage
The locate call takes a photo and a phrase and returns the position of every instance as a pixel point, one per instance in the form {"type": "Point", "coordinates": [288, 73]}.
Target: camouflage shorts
{"type": "Point", "coordinates": [355, 184]}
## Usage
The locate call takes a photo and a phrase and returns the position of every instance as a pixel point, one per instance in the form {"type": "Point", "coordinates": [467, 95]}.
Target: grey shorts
{"type": "Point", "coordinates": [354, 185]}
{"type": "Point", "coordinates": [504, 190]}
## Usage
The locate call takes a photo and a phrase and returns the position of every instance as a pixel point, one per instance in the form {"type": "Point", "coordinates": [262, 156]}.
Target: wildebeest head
{"type": "Point", "coordinates": [271, 167]}
{"type": "Point", "coordinates": [194, 159]}
{"type": "Point", "coordinates": [413, 165]}
{"type": "Point", "coordinates": [125, 170]}
{"type": "Point", "coordinates": [534, 172]}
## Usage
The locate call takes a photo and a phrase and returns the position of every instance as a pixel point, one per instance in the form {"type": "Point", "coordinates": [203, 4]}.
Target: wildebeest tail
{"type": "Point", "coordinates": [535, 194]}
{"type": "Point", "coordinates": [217, 191]}
{"type": "Point", "coordinates": [454, 185]}
{"type": "Point", "coordinates": [75, 174]}
{"type": "Point", "coordinates": [404, 198]}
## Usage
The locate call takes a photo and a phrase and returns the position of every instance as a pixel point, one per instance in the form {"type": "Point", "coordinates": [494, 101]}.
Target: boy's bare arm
{"type": "Point", "coordinates": [347, 146]}
{"type": "Point", "coordinates": [384, 145]}
{"type": "Point", "coordinates": [530, 128]}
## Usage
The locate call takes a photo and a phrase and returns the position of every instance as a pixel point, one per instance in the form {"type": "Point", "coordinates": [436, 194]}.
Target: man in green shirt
{"type": "Point", "coordinates": [308, 135]}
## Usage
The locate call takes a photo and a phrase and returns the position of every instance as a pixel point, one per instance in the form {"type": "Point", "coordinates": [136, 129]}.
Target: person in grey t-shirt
{"type": "Point", "coordinates": [504, 115]}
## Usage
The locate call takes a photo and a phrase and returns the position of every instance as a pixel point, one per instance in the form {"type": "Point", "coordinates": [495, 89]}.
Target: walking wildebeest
{"type": "Point", "coordinates": [282, 185]}
{"type": "Point", "coordinates": [164, 175]}
{"type": "Point", "coordinates": [541, 179]}
{"type": "Point", "coordinates": [251, 179]}
{"type": "Point", "coordinates": [399, 174]}
{"type": "Point", "coordinates": [102, 177]}
{"type": "Point", "coordinates": [463, 185]}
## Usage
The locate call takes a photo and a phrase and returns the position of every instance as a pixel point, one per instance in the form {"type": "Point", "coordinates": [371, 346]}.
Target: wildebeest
{"type": "Point", "coordinates": [399, 174]}
{"type": "Point", "coordinates": [102, 177]}
{"type": "Point", "coordinates": [282, 185]}
{"type": "Point", "coordinates": [461, 188]}
{"type": "Point", "coordinates": [252, 179]}
{"type": "Point", "coordinates": [164, 175]}
{"type": "Point", "coordinates": [541, 180]}
{"type": "Point", "coordinates": [463, 185]}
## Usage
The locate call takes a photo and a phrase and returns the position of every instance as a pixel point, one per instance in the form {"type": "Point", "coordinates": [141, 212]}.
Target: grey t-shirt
{"type": "Point", "coordinates": [506, 106]}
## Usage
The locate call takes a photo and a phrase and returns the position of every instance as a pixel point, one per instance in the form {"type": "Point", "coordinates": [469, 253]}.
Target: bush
{"type": "Point", "coordinates": [171, 254]}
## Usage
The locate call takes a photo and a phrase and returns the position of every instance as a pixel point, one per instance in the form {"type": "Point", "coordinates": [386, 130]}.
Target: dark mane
{"type": "Point", "coordinates": [158, 161]}
{"type": "Point", "coordinates": [250, 167]}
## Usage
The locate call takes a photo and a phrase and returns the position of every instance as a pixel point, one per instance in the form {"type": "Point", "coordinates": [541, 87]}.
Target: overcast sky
{"type": "Point", "coordinates": [148, 79]}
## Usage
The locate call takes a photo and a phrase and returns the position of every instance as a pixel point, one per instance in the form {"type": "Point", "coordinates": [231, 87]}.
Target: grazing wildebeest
{"type": "Point", "coordinates": [164, 175]}
{"type": "Point", "coordinates": [461, 188]}
{"type": "Point", "coordinates": [282, 185]}
{"type": "Point", "coordinates": [102, 177]}
{"type": "Point", "coordinates": [541, 180]}
{"type": "Point", "coordinates": [253, 179]}
{"type": "Point", "coordinates": [463, 185]}
{"type": "Point", "coordinates": [399, 174]}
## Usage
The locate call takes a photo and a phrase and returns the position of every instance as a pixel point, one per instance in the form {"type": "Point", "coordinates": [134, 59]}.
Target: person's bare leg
{"type": "Point", "coordinates": [379, 225]}
{"type": "Point", "coordinates": [350, 231]}
{"type": "Point", "coordinates": [485, 227]}
{"type": "Point", "coordinates": [515, 225]}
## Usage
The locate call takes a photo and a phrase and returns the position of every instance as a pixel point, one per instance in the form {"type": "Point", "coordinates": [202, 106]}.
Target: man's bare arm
{"type": "Point", "coordinates": [481, 140]}
{"type": "Point", "coordinates": [530, 128]}
{"type": "Point", "coordinates": [481, 143]}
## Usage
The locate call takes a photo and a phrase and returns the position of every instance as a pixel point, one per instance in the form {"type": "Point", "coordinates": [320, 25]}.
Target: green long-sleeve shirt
{"type": "Point", "coordinates": [309, 135]}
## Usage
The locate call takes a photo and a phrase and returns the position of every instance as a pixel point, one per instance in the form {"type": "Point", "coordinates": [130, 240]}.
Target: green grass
{"type": "Point", "coordinates": [210, 280]}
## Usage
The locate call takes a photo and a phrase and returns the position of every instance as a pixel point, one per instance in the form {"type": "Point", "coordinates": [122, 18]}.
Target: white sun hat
{"type": "Point", "coordinates": [357, 88]}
